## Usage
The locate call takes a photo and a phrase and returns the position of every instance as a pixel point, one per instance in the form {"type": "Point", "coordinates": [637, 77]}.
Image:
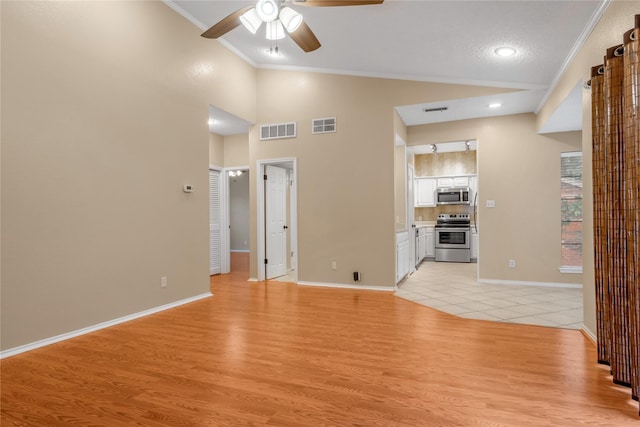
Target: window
{"type": "Point", "coordinates": [571, 212]}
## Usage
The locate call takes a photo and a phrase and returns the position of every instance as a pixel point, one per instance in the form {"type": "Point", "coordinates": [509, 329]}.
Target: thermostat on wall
{"type": "Point", "coordinates": [187, 188]}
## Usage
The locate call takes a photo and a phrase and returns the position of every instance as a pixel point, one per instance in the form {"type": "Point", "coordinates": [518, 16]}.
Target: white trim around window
{"type": "Point", "coordinates": [571, 269]}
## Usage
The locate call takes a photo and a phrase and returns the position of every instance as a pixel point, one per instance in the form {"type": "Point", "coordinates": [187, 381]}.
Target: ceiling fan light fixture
{"type": "Point", "coordinates": [275, 30]}
{"type": "Point", "coordinates": [290, 19]}
{"type": "Point", "coordinates": [251, 20]}
{"type": "Point", "coordinates": [268, 10]}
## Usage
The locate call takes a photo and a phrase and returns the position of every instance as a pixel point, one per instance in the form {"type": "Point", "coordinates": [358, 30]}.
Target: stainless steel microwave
{"type": "Point", "coordinates": [453, 196]}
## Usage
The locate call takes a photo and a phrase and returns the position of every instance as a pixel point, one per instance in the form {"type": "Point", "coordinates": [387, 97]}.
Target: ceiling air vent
{"type": "Point", "coordinates": [326, 125]}
{"type": "Point", "coordinates": [431, 110]}
{"type": "Point", "coordinates": [278, 131]}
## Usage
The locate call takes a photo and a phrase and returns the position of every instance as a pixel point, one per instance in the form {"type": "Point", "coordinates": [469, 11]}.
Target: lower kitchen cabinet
{"type": "Point", "coordinates": [430, 247]}
{"type": "Point", "coordinates": [421, 243]}
{"type": "Point", "coordinates": [402, 255]}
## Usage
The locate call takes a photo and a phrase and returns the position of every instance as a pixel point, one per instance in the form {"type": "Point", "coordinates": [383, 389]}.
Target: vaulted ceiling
{"type": "Point", "coordinates": [437, 41]}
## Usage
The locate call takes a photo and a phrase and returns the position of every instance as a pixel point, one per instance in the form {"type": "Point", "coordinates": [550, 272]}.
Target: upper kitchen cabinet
{"type": "Point", "coordinates": [446, 182]}
{"type": "Point", "coordinates": [454, 181]}
{"type": "Point", "coordinates": [425, 192]}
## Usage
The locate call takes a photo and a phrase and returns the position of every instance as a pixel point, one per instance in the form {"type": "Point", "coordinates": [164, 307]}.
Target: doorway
{"type": "Point", "coordinates": [277, 245]}
{"type": "Point", "coordinates": [239, 223]}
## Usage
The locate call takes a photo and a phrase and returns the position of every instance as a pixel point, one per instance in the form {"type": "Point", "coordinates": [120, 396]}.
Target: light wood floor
{"type": "Point", "coordinates": [284, 355]}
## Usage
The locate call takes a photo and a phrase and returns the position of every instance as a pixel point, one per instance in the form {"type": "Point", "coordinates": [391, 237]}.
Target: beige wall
{"type": "Point", "coordinates": [236, 150]}
{"type": "Point", "coordinates": [229, 151]}
{"type": "Point", "coordinates": [104, 111]}
{"type": "Point", "coordinates": [520, 170]}
{"type": "Point", "coordinates": [216, 150]}
{"type": "Point", "coordinates": [617, 19]}
{"type": "Point", "coordinates": [345, 179]}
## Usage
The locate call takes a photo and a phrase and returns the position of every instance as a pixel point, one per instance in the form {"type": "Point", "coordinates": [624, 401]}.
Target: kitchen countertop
{"type": "Point", "coordinates": [423, 224]}
{"type": "Point", "coordinates": [420, 224]}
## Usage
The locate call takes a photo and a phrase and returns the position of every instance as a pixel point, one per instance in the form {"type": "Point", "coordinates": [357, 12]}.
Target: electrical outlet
{"type": "Point", "coordinates": [163, 282]}
{"type": "Point", "coordinates": [512, 263]}
{"type": "Point", "coordinates": [334, 265]}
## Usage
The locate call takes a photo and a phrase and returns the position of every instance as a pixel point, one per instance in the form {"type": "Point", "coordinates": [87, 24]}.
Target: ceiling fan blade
{"type": "Point", "coordinates": [227, 24]}
{"type": "Point", "coordinates": [321, 3]}
{"type": "Point", "coordinates": [305, 38]}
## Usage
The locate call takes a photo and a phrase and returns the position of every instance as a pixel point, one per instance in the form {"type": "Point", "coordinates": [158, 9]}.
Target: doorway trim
{"type": "Point", "coordinates": [225, 260]}
{"type": "Point", "coordinates": [260, 208]}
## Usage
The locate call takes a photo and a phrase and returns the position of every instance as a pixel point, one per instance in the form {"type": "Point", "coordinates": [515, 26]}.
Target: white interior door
{"type": "Point", "coordinates": [276, 221]}
{"type": "Point", "coordinates": [215, 232]}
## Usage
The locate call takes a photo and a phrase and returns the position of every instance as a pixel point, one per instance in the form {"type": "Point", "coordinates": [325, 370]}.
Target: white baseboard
{"type": "Point", "coordinates": [345, 286]}
{"type": "Point", "coordinates": [522, 283]}
{"type": "Point", "coordinates": [590, 335]}
{"type": "Point", "coordinates": [253, 279]}
{"type": "Point", "coordinates": [93, 328]}
{"type": "Point", "coordinates": [240, 250]}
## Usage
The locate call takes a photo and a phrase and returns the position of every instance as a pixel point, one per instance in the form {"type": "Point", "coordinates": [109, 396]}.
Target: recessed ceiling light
{"type": "Point", "coordinates": [505, 51]}
{"type": "Point", "coordinates": [495, 105]}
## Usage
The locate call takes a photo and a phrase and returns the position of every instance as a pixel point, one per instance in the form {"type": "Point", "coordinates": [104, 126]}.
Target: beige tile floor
{"type": "Point", "coordinates": [454, 289]}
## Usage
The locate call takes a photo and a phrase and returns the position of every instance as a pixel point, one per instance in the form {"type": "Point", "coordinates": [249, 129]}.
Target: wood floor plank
{"type": "Point", "coordinates": [276, 354]}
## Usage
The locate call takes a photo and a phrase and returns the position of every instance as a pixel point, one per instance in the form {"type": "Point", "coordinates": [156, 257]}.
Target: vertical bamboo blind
{"type": "Point", "coordinates": [615, 107]}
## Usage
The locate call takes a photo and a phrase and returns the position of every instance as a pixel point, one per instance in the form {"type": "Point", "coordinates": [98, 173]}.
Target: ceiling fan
{"type": "Point", "coordinates": [279, 18]}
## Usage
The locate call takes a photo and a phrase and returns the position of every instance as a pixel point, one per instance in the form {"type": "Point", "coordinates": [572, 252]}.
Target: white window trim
{"type": "Point", "coordinates": [571, 269]}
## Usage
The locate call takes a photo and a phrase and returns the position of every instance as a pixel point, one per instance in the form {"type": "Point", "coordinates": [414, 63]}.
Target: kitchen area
{"type": "Point", "coordinates": [444, 217]}
{"type": "Point", "coordinates": [437, 258]}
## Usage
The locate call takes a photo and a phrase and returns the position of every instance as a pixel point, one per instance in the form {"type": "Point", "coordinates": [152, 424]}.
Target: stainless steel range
{"type": "Point", "coordinates": [453, 238]}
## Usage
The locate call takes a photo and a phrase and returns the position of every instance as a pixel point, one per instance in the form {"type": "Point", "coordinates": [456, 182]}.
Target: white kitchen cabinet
{"type": "Point", "coordinates": [425, 192]}
{"type": "Point", "coordinates": [452, 181]}
{"type": "Point", "coordinates": [402, 255]}
{"type": "Point", "coordinates": [421, 244]}
{"type": "Point", "coordinates": [460, 181]}
{"type": "Point", "coordinates": [445, 182]}
{"type": "Point", "coordinates": [474, 244]}
{"type": "Point", "coordinates": [430, 246]}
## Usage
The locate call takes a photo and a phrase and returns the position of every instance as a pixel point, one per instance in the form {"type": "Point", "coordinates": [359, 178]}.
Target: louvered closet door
{"type": "Point", "coordinates": [215, 232]}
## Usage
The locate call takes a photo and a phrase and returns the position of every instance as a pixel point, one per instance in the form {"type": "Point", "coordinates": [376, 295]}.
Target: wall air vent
{"type": "Point", "coordinates": [326, 125]}
{"type": "Point", "coordinates": [278, 131]}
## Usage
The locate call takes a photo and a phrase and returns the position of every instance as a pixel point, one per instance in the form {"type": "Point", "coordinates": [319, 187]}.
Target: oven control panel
{"type": "Point", "coordinates": [455, 217]}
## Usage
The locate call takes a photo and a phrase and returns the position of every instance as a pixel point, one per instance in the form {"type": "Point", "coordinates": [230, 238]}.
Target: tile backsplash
{"type": "Point", "coordinates": [456, 163]}
{"type": "Point", "coordinates": [431, 214]}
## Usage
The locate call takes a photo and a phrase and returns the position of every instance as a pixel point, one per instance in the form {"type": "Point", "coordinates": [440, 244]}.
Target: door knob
{"type": "Point", "coordinates": [285, 227]}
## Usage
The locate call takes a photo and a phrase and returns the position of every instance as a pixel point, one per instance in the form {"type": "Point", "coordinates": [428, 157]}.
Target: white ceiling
{"type": "Point", "coordinates": [423, 40]}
